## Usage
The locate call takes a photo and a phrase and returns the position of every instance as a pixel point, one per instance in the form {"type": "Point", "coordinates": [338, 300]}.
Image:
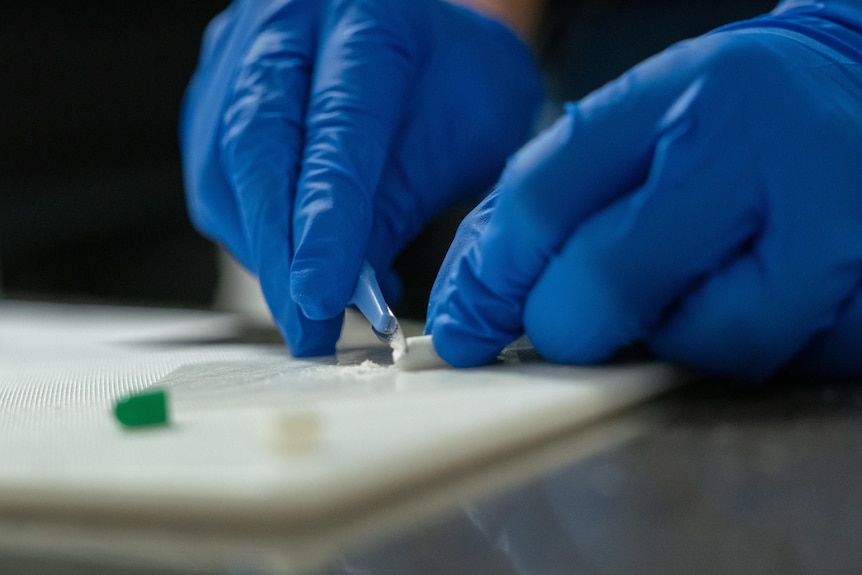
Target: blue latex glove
{"type": "Point", "coordinates": [317, 134]}
{"type": "Point", "coordinates": [708, 203]}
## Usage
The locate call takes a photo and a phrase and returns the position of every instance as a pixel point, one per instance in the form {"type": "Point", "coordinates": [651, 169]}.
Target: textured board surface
{"type": "Point", "coordinates": [257, 435]}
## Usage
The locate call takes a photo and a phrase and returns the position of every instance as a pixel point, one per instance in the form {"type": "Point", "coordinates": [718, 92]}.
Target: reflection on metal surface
{"type": "Point", "coordinates": [304, 548]}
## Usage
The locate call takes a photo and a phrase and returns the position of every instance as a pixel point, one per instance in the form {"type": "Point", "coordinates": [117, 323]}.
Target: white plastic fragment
{"type": "Point", "coordinates": [293, 433]}
{"type": "Point", "coordinates": [419, 354]}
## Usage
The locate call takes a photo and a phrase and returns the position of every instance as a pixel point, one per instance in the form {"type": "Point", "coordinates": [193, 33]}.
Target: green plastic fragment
{"type": "Point", "coordinates": [143, 409]}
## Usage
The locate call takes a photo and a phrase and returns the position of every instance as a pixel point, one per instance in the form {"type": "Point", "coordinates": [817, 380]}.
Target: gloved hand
{"type": "Point", "coordinates": [708, 204]}
{"type": "Point", "coordinates": [317, 134]}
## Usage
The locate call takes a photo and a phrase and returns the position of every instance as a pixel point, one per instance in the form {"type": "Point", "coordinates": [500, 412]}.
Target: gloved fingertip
{"type": "Point", "coordinates": [312, 339]}
{"type": "Point", "coordinates": [586, 328]}
{"type": "Point", "coordinates": [590, 351]}
{"type": "Point", "coordinates": [460, 348]}
{"type": "Point", "coordinates": [316, 292]}
{"type": "Point", "coordinates": [692, 350]}
{"type": "Point", "coordinates": [560, 339]}
{"type": "Point", "coordinates": [304, 337]}
{"type": "Point", "coordinates": [304, 348]}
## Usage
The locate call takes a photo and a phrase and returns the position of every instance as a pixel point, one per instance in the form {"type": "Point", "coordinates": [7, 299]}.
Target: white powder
{"type": "Point", "coordinates": [365, 370]}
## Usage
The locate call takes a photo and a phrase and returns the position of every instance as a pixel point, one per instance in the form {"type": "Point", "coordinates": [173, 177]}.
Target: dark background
{"type": "Point", "coordinates": [91, 202]}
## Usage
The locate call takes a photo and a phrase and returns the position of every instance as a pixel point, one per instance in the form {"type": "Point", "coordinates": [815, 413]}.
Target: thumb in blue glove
{"type": "Point", "coordinates": [707, 204]}
{"type": "Point", "coordinates": [320, 134]}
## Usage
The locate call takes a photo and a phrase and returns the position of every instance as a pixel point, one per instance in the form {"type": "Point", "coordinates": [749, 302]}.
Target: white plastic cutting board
{"type": "Point", "coordinates": [260, 436]}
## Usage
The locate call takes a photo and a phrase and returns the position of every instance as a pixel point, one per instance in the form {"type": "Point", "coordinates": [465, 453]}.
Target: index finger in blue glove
{"type": "Point", "coordinates": [366, 67]}
{"type": "Point", "coordinates": [261, 142]}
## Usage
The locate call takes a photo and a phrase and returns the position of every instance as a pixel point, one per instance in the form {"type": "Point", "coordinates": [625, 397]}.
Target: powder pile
{"type": "Point", "coordinates": [365, 370]}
